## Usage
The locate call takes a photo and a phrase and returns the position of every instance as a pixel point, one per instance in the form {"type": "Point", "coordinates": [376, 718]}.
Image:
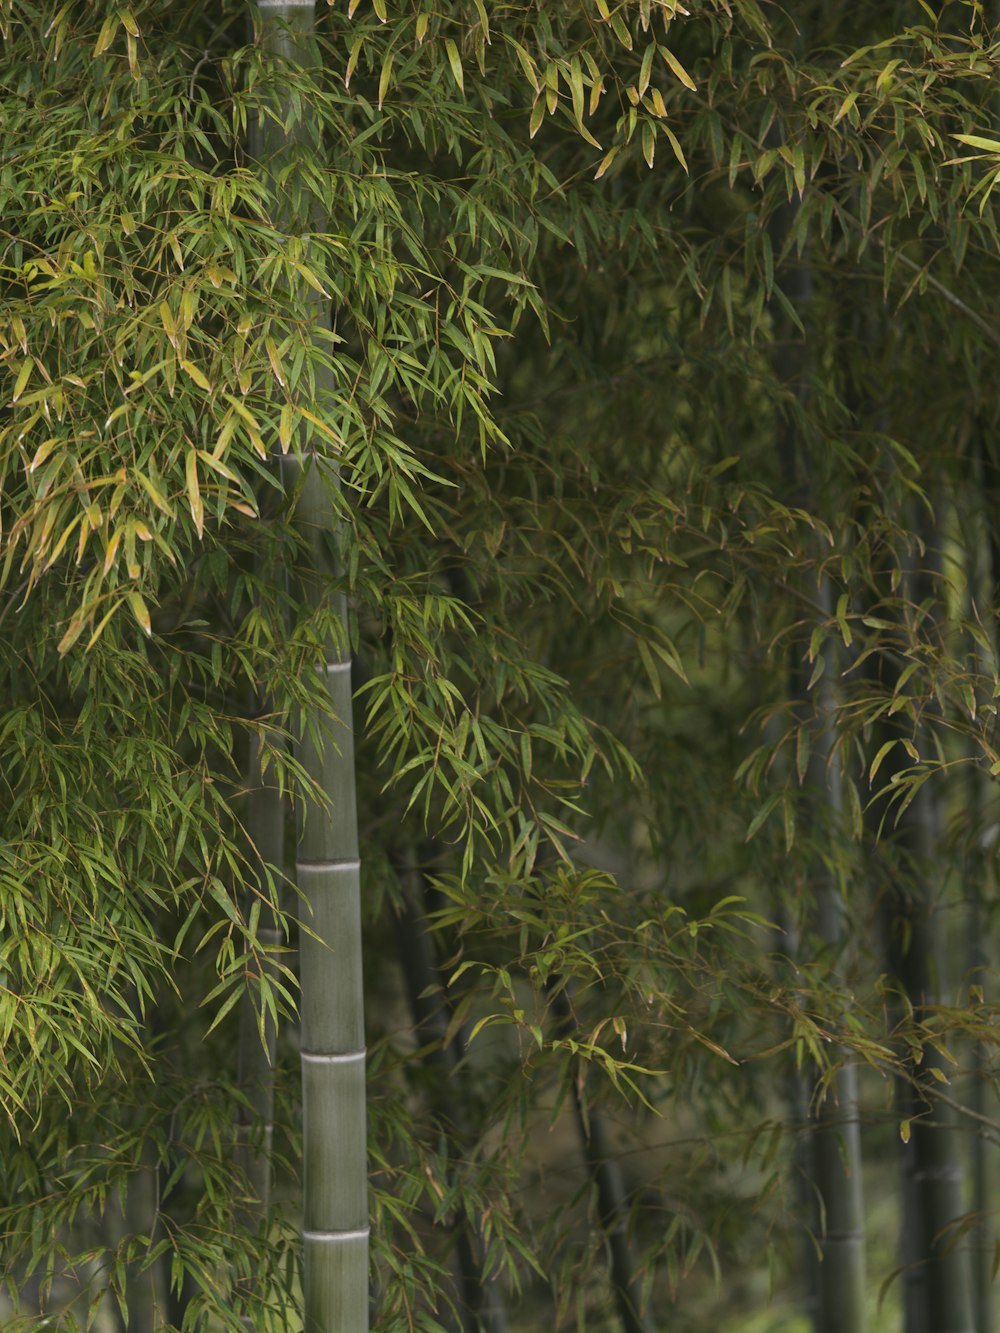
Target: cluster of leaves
{"type": "Point", "coordinates": [589, 485]}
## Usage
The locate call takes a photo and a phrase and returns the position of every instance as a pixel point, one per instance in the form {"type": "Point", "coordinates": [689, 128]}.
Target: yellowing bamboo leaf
{"type": "Point", "coordinates": [380, 10]}
{"type": "Point", "coordinates": [23, 375]}
{"type": "Point", "coordinates": [527, 64]}
{"type": "Point", "coordinates": [327, 431]}
{"type": "Point", "coordinates": [132, 51]}
{"type": "Point", "coordinates": [978, 141]}
{"type": "Point", "coordinates": [285, 424]}
{"type": "Point", "coordinates": [225, 434]}
{"type": "Point", "coordinates": [646, 68]}
{"type": "Point", "coordinates": [131, 564]}
{"type": "Point", "coordinates": [537, 116]}
{"type": "Point", "coordinates": [423, 18]}
{"type": "Point", "coordinates": [484, 20]}
{"type": "Point", "coordinates": [678, 69]}
{"type": "Point", "coordinates": [194, 492]}
{"type": "Point", "coordinates": [168, 322]}
{"type": "Point", "coordinates": [845, 107]}
{"type": "Point", "coordinates": [455, 61]}
{"type": "Point", "coordinates": [189, 307]}
{"type": "Point", "coordinates": [576, 91]}
{"type": "Point", "coordinates": [586, 134]}
{"type": "Point", "coordinates": [606, 161]}
{"type": "Point", "coordinates": [105, 38]}
{"type": "Point", "coordinates": [41, 453]}
{"type": "Point", "coordinates": [154, 493]}
{"type": "Point", "coordinates": [128, 22]}
{"type": "Point", "coordinates": [192, 371]}
{"type": "Point", "coordinates": [141, 612]}
{"type": "Point", "coordinates": [383, 82]}
{"type": "Point", "coordinates": [275, 360]}
{"type": "Point", "coordinates": [218, 466]}
{"type": "Point", "coordinates": [352, 59]}
{"type": "Point", "coordinates": [648, 143]}
{"type": "Point", "coordinates": [799, 169]}
{"type": "Point", "coordinates": [76, 628]}
{"type": "Point", "coordinates": [621, 30]}
{"type": "Point", "coordinates": [112, 551]}
{"type": "Point", "coordinates": [60, 545]}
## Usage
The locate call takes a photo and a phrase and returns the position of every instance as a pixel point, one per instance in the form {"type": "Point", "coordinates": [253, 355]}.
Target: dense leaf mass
{"type": "Point", "coordinates": [660, 386]}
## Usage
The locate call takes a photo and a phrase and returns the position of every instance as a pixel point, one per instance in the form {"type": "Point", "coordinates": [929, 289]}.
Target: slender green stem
{"type": "Point", "coordinates": [258, 1031]}
{"type": "Point", "coordinates": [612, 1201]}
{"type": "Point", "coordinates": [482, 1295]}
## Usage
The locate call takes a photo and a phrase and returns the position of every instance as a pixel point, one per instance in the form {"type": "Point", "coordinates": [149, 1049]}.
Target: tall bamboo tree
{"type": "Point", "coordinates": [334, 1171]}
{"type": "Point", "coordinates": [834, 1154]}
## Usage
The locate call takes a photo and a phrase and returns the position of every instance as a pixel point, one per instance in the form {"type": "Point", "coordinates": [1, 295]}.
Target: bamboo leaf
{"type": "Point", "coordinates": [140, 611]}
{"type": "Point", "coordinates": [192, 371]}
{"type": "Point", "coordinates": [677, 69]}
{"type": "Point", "coordinates": [455, 61]}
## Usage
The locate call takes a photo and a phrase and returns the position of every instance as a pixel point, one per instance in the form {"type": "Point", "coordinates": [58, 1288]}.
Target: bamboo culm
{"type": "Point", "coordinates": [834, 1152]}
{"type": "Point", "coordinates": [940, 1298]}
{"type": "Point", "coordinates": [612, 1201]}
{"type": "Point", "coordinates": [265, 821]}
{"type": "Point", "coordinates": [482, 1307]}
{"type": "Point", "coordinates": [334, 1170]}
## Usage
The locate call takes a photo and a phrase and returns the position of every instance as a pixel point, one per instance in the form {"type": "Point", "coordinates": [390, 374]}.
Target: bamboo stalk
{"type": "Point", "coordinates": [612, 1202]}
{"type": "Point", "coordinates": [258, 1031]}
{"type": "Point", "coordinates": [482, 1307]}
{"type": "Point", "coordinates": [333, 1040]}
{"type": "Point", "coordinates": [335, 1184]}
{"type": "Point", "coordinates": [939, 1297]}
{"type": "Point", "coordinates": [836, 1148]}
{"type": "Point", "coordinates": [834, 1154]}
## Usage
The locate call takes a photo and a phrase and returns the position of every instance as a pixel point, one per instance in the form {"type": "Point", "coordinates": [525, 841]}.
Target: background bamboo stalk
{"type": "Point", "coordinates": [482, 1307]}
{"type": "Point", "coordinates": [612, 1201]}
{"type": "Point", "coordinates": [836, 1150]}
{"type": "Point", "coordinates": [834, 1155]}
{"type": "Point", "coordinates": [938, 1296]}
{"type": "Point", "coordinates": [258, 1031]}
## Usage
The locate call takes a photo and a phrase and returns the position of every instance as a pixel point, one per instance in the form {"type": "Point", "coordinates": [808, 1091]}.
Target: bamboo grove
{"type": "Point", "coordinates": [498, 591]}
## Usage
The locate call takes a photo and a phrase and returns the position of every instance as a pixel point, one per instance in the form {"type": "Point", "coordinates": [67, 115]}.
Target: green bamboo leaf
{"type": "Point", "coordinates": [757, 822]}
{"type": "Point", "coordinates": [979, 141]}
{"type": "Point", "coordinates": [455, 61]}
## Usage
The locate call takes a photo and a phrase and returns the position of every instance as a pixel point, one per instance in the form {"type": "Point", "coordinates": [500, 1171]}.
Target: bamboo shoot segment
{"type": "Point", "coordinates": [334, 1299]}
{"type": "Point", "coordinates": [331, 959]}
{"type": "Point", "coordinates": [337, 1192]}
